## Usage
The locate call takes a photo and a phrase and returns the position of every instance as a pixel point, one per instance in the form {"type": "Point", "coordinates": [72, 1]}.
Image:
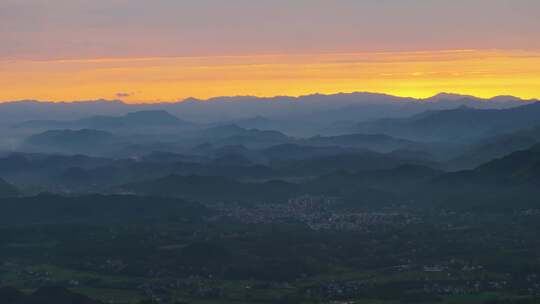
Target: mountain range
{"type": "Point", "coordinates": [459, 124]}
{"type": "Point", "coordinates": [360, 106]}
{"type": "Point", "coordinates": [139, 119]}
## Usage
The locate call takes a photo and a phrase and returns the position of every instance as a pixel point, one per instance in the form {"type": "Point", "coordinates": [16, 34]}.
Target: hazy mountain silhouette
{"type": "Point", "coordinates": [296, 151]}
{"type": "Point", "coordinates": [361, 106]}
{"type": "Point", "coordinates": [82, 173]}
{"type": "Point", "coordinates": [518, 169]}
{"type": "Point", "coordinates": [25, 110]}
{"type": "Point", "coordinates": [359, 161]}
{"type": "Point", "coordinates": [460, 124]}
{"type": "Point", "coordinates": [392, 180]}
{"type": "Point", "coordinates": [496, 147]}
{"type": "Point", "coordinates": [234, 135]}
{"type": "Point", "coordinates": [70, 141]}
{"type": "Point", "coordinates": [257, 122]}
{"type": "Point", "coordinates": [135, 119]}
{"type": "Point", "coordinates": [376, 142]}
{"type": "Point", "coordinates": [140, 119]}
{"type": "Point", "coordinates": [506, 184]}
{"type": "Point", "coordinates": [522, 167]}
{"type": "Point", "coordinates": [213, 188]}
{"type": "Point", "coordinates": [377, 184]}
{"type": "Point", "coordinates": [443, 96]}
{"type": "Point", "coordinates": [7, 189]}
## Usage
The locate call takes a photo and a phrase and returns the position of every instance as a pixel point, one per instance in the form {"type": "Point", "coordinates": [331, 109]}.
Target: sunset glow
{"type": "Point", "coordinates": [415, 74]}
{"type": "Point", "coordinates": [163, 50]}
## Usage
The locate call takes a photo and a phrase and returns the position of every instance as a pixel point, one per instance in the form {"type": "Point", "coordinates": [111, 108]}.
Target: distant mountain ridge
{"type": "Point", "coordinates": [362, 105]}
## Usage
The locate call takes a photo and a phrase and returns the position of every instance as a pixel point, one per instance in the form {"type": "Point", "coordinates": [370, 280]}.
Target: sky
{"type": "Point", "coordinates": [168, 50]}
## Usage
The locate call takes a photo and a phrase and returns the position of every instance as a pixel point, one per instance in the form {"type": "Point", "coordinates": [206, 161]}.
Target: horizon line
{"type": "Point", "coordinates": [192, 98]}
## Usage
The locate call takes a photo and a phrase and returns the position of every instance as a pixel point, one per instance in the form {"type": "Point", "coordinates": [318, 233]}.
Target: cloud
{"type": "Point", "coordinates": [123, 95]}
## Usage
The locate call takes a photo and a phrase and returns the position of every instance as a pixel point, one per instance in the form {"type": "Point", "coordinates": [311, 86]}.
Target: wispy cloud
{"type": "Point", "coordinates": [123, 95]}
{"type": "Point", "coordinates": [416, 74]}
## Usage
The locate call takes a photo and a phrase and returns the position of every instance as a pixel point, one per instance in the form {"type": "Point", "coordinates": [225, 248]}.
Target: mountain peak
{"type": "Point", "coordinates": [450, 96]}
{"type": "Point", "coordinates": [505, 98]}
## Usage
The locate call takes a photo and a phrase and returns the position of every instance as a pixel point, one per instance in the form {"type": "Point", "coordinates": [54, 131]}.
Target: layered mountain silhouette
{"type": "Point", "coordinates": [140, 119]}
{"type": "Point", "coordinates": [246, 142]}
{"type": "Point", "coordinates": [461, 124]}
{"type": "Point", "coordinates": [295, 151]}
{"type": "Point", "coordinates": [72, 141]}
{"type": "Point", "coordinates": [375, 142]}
{"type": "Point", "coordinates": [358, 106]}
{"type": "Point", "coordinates": [521, 168]}
{"type": "Point", "coordinates": [496, 147]}
{"type": "Point", "coordinates": [6, 189]}
{"type": "Point", "coordinates": [380, 186]}
{"type": "Point", "coordinates": [213, 188]}
{"type": "Point", "coordinates": [235, 135]}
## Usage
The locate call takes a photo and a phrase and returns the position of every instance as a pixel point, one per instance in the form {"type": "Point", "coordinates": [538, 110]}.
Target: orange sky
{"type": "Point", "coordinates": [417, 74]}
{"type": "Point", "coordinates": [165, 50]}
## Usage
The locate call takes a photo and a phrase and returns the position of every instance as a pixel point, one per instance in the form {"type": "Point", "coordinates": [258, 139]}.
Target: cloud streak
{"type": "Point", "coordinates": [123, 95]}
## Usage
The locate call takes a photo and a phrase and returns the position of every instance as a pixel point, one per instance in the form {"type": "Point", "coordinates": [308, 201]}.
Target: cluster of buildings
{"type": "Point", "coordinates": [317, 212]}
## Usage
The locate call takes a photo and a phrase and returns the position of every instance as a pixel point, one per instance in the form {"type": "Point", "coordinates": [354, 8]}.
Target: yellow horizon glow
{"type": "Point", "coordinates": [482, 73]}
